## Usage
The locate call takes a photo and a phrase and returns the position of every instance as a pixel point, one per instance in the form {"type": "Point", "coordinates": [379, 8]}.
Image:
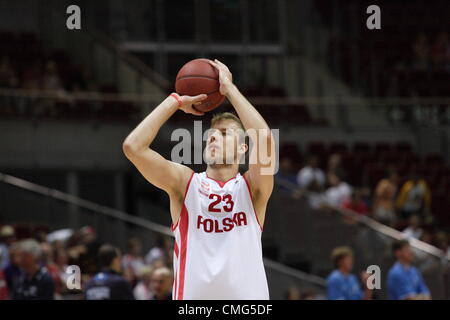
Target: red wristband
{"type": "Point", "coordinates": [177, 97]}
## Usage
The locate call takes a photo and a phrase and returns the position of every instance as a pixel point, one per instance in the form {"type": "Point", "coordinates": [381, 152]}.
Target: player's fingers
{"type": "Point", "coordinates": [196, 112]}
{"type": "Point", "coordinates": [220, 63]}
{"type": "Point", "coordinates": [199, 98]}
{"type": "Point", "coordinates": [215, 65]}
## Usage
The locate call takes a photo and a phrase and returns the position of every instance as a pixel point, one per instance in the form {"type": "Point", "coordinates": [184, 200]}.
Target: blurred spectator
{"type": "Point", "coordinates": [108, 284]}
{"type": "Point", "coordinates": [421, 53]}
{"type": "Point", "coordinates": [142, 291]}
{"type": "Point", "coordinates": [404, 280]}
{"type": "Point", "coordinates": [35, 283]}
{"type": "Point", "coordinates": [341, 284]}
{"type": "Point", "coordinates": [52, 84]}
{"type": "Point", "coordinates": [293, 293]}
{"type": "Point", "coordinates": [338, 192]}
{"type": "Point", "coordinates": [383, 204]}
{"type": "Point", "coordinates": [311, 176]}
{"type": "Point", "coordinates": [61, 263]}
{"type": "Point", "coordinates": [286, 174]}
{"type": "Point", "coordinates": [159, 252]}
{"type": "Point", "coordinates": [335, 166]}
{"type": "Point", "coordinates": [89, 250]}
{"type": "Point", "coordinates": [442, 241]}
{"type": "Point", "coordinates": [133, 261]}
{"type": "Point", "coordinates": [161, 284]}
{"type": "Point", "coordinates": [3, 287]}
{"type": "Point", "coordinates": [440, 50]}
{"type": "Point", "coordinates": [12, 271]}
{"type": "Point", "coordinates": [356, 203]}
{"type": "Point", "coordinates": [51, 80]}
{"type": "Point", "coordinates": [414, 198]}
{"type": "Point", "coordinates": [6, 238]}
{"type": "Point", "coordinates": [48, 262]}
{"type": "Point", "coordinates": [413, 230]}
{"type": "Point", "coordinates": [8, 76]}
{"type": "Point", "coordinates": [309, 295]}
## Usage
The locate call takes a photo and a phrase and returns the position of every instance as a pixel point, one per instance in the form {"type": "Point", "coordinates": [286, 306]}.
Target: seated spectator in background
{"type": "Point", "coordinates": [356, 203]}
{"type": "Point", "coordinates": [338, 191]}
{"type": "Point", "coordinates": [161, 284]}
{"type": "Point", "coordinates": [413, 230]}
{"type": "Point", "coordinates": [133, 261]}
{"type": "Point", "coordinates": [159, 252]}
{"type": "Point", "coordinates": [442, 242]}
{"type": "Point", "coordinates": [3, 287]}
{"type": "Point", "coordinates": [61, 263]}
{"type": "Point", "coordinates": [383, 203]}
{"type": "Point", "coordinates": [89, 246]}
{"type": "Point", "coordinates": [142, 291]}
{"type": "Point", "coordinates": [414, 198]}
{"type": "Point", "coordinates": [440, 51]}
{"type": "Point", "coordinates": [404, 280]}
{"type": "Point", "coordinates": [421, 51]}
{"type": "Point", "coordinates": [108, 284]}
{"type": "Point", "coordinates": [48, 262]}
{"type": "Point", "coordinates": [341, 284]}
{"type": "Point", "coordinates": [311, 175]}
{"type": "Point", "coordinates": [286, 175]}
{"type": "Point", "coordinates": [8, 76]}
{"type": "Point", "coordinates": [6, 238]}
{"type": "Point", "coordinates": [12, 271]}
{"type": "Point", "coordinates": [52, 85]}
{"type": "Point", "coordinates": [35, 283]}
{"type": "Point", "coordinates": [293, 293]}
{"type": "Point", "coordinates": [335, 166]}
{"type": "Point", "coordinates": [51, 81]}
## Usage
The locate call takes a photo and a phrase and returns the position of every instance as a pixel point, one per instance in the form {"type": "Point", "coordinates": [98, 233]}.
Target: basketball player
{"type": "Point", "coordinates": [217, 215]}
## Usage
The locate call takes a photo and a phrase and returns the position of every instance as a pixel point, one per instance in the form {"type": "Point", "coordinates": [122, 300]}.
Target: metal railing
{"type": "Point", "coordinates": [23, 202]}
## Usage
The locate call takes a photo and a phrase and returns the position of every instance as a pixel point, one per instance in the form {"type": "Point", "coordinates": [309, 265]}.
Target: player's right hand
{"type": "Point", "coordinates": [189, 103]}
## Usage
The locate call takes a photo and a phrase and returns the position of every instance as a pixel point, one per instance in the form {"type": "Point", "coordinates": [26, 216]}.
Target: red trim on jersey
{"type": "Point", "coordinates": [172, 226]}
{"type": "Point", "coordinates": [221, 183]}
{"type": "Point", "coordinates": [184, 224]}
{"type": "Point", "coordinates": [175, 249]}
{"type": "Point", "coordinates": [251, 198]}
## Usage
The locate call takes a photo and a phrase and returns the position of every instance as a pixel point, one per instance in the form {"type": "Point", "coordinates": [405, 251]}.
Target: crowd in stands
{"type": "Point", "coordinates": [404, 281]}
{"type": "Point", "coordinates": [408, 56]}
{"type": "Point", "coordinates": [25, 65]}
{"type": "Point", "coordinates": [36, 267]}
{"type": "Point", "coordinates": [412, 199]}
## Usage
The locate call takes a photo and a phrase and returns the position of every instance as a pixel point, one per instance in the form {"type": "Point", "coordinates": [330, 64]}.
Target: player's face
{"type": "Point", "coordinates": [224, 143]}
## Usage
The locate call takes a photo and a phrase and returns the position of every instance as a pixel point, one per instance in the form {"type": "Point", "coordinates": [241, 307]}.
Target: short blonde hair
{"type": "Point", "coordinates": [226, 116]}
{"type": "Point", "coordinates": [230, 116]}
{"type": "Point", "coordinates": [339, 253]}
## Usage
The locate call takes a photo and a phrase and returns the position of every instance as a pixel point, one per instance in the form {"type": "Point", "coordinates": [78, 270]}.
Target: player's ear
{"type": "Point", "coordinates": [243, 148]}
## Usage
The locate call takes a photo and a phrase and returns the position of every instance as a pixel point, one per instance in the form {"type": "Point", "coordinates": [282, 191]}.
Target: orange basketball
{"type": "Point", "coordinates": [199, 77]}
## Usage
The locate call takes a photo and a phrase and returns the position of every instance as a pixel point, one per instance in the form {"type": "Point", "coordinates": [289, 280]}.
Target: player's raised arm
{"type": "Point", "coordinates": [262, 155]}
{"type": "Point", "coordinates": [162, 173]}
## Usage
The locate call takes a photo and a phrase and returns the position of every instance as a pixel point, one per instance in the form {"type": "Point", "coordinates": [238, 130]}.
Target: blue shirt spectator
{"type": "Point", "coordinates": [405, 282]}
{"type": "Point", "coordinates": [343, 287]}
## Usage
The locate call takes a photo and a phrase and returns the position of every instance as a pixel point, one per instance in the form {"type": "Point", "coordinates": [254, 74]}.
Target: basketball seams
{"type": "Point", "coordinates": [197, 76]}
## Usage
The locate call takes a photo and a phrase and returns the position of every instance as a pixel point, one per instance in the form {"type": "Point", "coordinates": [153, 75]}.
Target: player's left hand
{"type": "Point", "coordinates": [225, 76]}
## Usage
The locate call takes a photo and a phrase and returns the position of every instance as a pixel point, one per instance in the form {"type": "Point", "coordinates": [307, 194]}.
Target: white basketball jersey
{"type": "Point", "coordinates": [217, 251]}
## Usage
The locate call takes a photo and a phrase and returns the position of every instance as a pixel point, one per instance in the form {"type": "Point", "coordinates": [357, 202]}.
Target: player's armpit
{"type": "Point", "coordinates": [162, 173]}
